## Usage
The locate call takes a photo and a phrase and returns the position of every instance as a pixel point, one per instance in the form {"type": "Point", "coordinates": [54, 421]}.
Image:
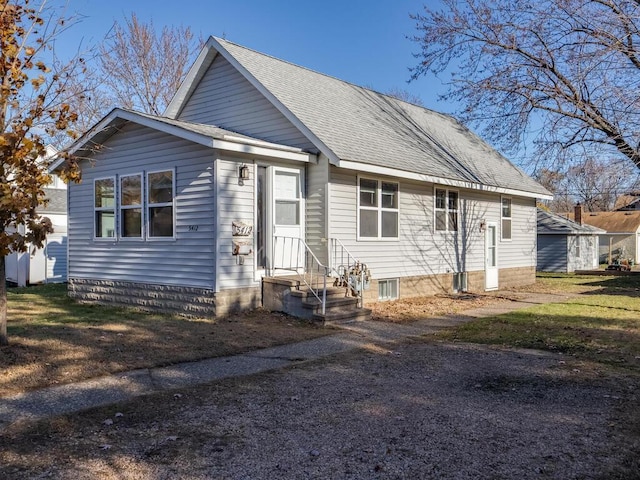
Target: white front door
{"type": "Point", "coordinates": [280, 219]}
{"type": "Point", "coordinates": [491, 257]}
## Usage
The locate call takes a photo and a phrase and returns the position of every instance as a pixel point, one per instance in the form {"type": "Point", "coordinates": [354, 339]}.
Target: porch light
{"type": "Point", "coordinates": [243, 172]}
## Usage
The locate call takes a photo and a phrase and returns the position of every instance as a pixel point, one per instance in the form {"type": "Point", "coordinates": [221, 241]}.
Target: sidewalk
{"type": "Point", "coordinates": [69, 398]}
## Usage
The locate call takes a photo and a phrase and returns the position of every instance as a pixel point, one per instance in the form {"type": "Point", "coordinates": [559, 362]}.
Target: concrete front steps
{"type": "Point", "coordinates": [288, 295]}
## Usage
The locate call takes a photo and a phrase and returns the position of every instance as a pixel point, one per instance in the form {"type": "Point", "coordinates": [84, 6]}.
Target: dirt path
{"type": "Point", "coordinates": [413, 410]}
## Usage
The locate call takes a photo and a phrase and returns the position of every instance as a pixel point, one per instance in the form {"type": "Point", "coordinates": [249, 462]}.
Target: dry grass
{"type": "Point", "coordinates": [412, 309]}
{"type": "Point", "coordinates": [54, 340]}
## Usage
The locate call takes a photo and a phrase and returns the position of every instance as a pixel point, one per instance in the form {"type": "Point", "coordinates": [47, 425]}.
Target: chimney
{"type": "Point", "coordinates": [577, 213]}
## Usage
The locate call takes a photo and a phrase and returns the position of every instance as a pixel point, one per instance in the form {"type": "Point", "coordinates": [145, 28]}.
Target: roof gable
{"type": "Point", "coordinates": [552, 223]}
{"type": "Point", "coordinates": [355, 125]}
{"type": "Point", "coordinates": [202, 134]}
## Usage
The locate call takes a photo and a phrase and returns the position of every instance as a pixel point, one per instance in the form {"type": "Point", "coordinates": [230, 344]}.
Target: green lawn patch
{"type": "Point", "coordinates": [601, 325]}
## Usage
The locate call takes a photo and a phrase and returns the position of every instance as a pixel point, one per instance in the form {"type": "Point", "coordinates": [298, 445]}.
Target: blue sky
{"type": "Point", "coordinates": [361, 41]}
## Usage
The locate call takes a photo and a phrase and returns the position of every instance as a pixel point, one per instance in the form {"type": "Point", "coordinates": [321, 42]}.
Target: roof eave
{"type": "Point", "coordinates": [392, 172]}
{"type": "Point", "coordinates": [117, 116]}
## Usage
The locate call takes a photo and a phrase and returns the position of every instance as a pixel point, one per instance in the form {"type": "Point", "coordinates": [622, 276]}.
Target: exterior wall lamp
{"type": "Point", "coordinates": [243, 172]}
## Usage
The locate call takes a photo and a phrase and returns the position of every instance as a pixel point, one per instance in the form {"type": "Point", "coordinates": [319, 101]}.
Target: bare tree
{"type": "Point", "coordinates": [596, 184]}
{"type": "Point", "coordinates": [142, 69]}
{"type": "Point", "coordinates": [405, 96]}
{"type": "Point", "coordinates": [573, 65]}
{"type": "Point", "coordinates": [33, 107]}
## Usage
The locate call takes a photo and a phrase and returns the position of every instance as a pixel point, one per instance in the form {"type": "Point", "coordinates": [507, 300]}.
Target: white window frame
{"type": "Point", "coordinates": [149, 205]}
{"type": "Point", "coordinates": [388, 281]}
{"type": "Point", "coordinates": [379, 209]}
{"type": "Point", "coordinates": [447, 211]}
{"type": "Point", "coordinates": [140, 205]}
{"type": "Point", "coordinates": [505, 219]}
{"type": "Point", "coordinates": [113, 209]}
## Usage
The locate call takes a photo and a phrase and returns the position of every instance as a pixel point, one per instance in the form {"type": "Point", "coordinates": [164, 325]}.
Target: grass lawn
{"type": "Point", "coordinates": [602, 324]}
{"type": "Point", "coordinates": [55, 340]}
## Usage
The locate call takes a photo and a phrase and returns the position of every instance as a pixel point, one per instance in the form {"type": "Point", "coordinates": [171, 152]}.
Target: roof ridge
{"type": "Point", "coordinates": [346, 82]}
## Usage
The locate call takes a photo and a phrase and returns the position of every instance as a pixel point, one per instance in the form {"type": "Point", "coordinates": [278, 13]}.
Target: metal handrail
{"type": "Point", "coordinates": [309, 268]}
{"type": "Point", "coordinates": [342, 262]}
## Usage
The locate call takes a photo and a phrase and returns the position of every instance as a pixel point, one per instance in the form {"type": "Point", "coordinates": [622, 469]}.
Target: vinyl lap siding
{"type": "Point", "coordinates": [316, 208]}
{"type": "Point", "coordinates": [236, 202]}
{"type": "Point", "coordinates": [226, 99]}
{"type": "Point", "coordinates": [420, 250]}
{"type": "Point", "coordinates": [520, 251]}
{"type": "Point", "coordinates": [552, 253]}
{"type": "Point", "coordinates": [186, 261]}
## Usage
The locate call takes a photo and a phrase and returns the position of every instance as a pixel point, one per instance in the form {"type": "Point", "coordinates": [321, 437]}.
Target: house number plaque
{"type": "Point", "coordinates": [242, 243]}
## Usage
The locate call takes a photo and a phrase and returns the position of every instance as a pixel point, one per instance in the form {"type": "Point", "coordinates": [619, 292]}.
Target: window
{"type": "Point", "coordinates": [287, 198]}
{"type": "Point", "coordinates": [131, 206]}
{"type": "Point", "coordinates": [104, 208]}
{"type": "Point", "coordinates": [506, 218]}
{"type": "Point", "coordinates": [377, 209]}
{"type": "Point", "coordinates": [160, 193]}
{"type": "Point", "coordinates": [446, 210]}
{"type": "Point", "coordinates": [388, 289]}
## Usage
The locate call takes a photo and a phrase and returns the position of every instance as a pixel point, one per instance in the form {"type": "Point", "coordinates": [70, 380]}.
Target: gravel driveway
{"type": "Point", "coordinates": [410, 411]}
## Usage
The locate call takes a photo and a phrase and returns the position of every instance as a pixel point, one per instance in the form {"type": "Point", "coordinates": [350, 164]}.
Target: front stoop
{"type": "Point", "coordinates": [339, 308]}
{"type": "Point", "coordinates": [289, 296]}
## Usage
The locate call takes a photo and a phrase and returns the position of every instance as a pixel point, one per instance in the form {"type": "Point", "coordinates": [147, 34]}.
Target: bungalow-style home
{"type": "Point", "coordinates": [47, 264]}
{"type": "Point", "coordinates": [621, 237]}
{"type": "Point", "coordinates": [564, 245]}
{"type": "Point", "coordinates": [260, 167]}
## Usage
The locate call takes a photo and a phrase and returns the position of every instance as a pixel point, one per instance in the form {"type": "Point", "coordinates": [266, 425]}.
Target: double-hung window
{"type": "Point", "coordinates": [377, 209]}
{"type": "Point", "coordinates": [104, 208]}
{"type": "Point", "coordinates": [131, 206]}
{"type": "Point", "coordinates": [160, 194]}
{"type": "Point", "coordinates": [446, 210]}
{"type": "Point", "coordinates": [506, 218]}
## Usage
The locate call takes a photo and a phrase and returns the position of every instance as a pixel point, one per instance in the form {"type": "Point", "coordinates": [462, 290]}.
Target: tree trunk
{"type": "Point", "coordinates": [4, 340]}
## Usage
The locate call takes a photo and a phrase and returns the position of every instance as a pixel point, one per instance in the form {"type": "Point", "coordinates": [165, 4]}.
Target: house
{"type": "Point", "coordinates": [630, 201]}
{"type": "Point", "coordinates": [564, 245]}
{"type": "Point", "coordinates": [621, 237]}
{"type": "Point", "coordinates": [260, 167]}
{"type": "Point", "coordinates": [49, 263]}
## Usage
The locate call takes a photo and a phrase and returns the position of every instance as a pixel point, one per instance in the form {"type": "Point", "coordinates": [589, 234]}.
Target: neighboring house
{"type": "Point", "coordinates": [621, 237]}
{"type": "Point", "coordinates": [191, 210]}
{"type": "Point", "coordinates": [630, 201]}
{"type": "Point", "coordinates": [565, 245]}
{"type": "Point", "coordinates": [49, 263]}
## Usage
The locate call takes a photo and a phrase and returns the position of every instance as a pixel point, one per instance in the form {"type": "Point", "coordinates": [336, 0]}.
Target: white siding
{"type": "Point", "coordinates": [420, 250]}
{"type": "Point", "coordinates": [316, 204]}
{"type": "Point", "coordinates": [56, 257]}
{"type": "Point", "coordinates": [186, 261]}
{"type": "Point", "coordinates": [226, 99]}
{"type": "Point", "coordinates": [521, 250]}
{"type": "Point", "coordinates": [236, 202]}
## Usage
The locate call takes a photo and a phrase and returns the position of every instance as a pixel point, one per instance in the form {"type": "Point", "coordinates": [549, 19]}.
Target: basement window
{"type": "Point", "coordinates": [388, 289]}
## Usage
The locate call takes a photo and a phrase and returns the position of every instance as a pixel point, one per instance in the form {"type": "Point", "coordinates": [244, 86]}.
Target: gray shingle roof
{"type": "Point", "coordinates": [551, 223]}
{"type": "Point", "coordinates": [360, 125]}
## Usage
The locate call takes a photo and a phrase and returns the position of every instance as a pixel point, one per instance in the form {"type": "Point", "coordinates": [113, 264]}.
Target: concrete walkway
{"type": "Point", "coordinates": [69, 398]}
